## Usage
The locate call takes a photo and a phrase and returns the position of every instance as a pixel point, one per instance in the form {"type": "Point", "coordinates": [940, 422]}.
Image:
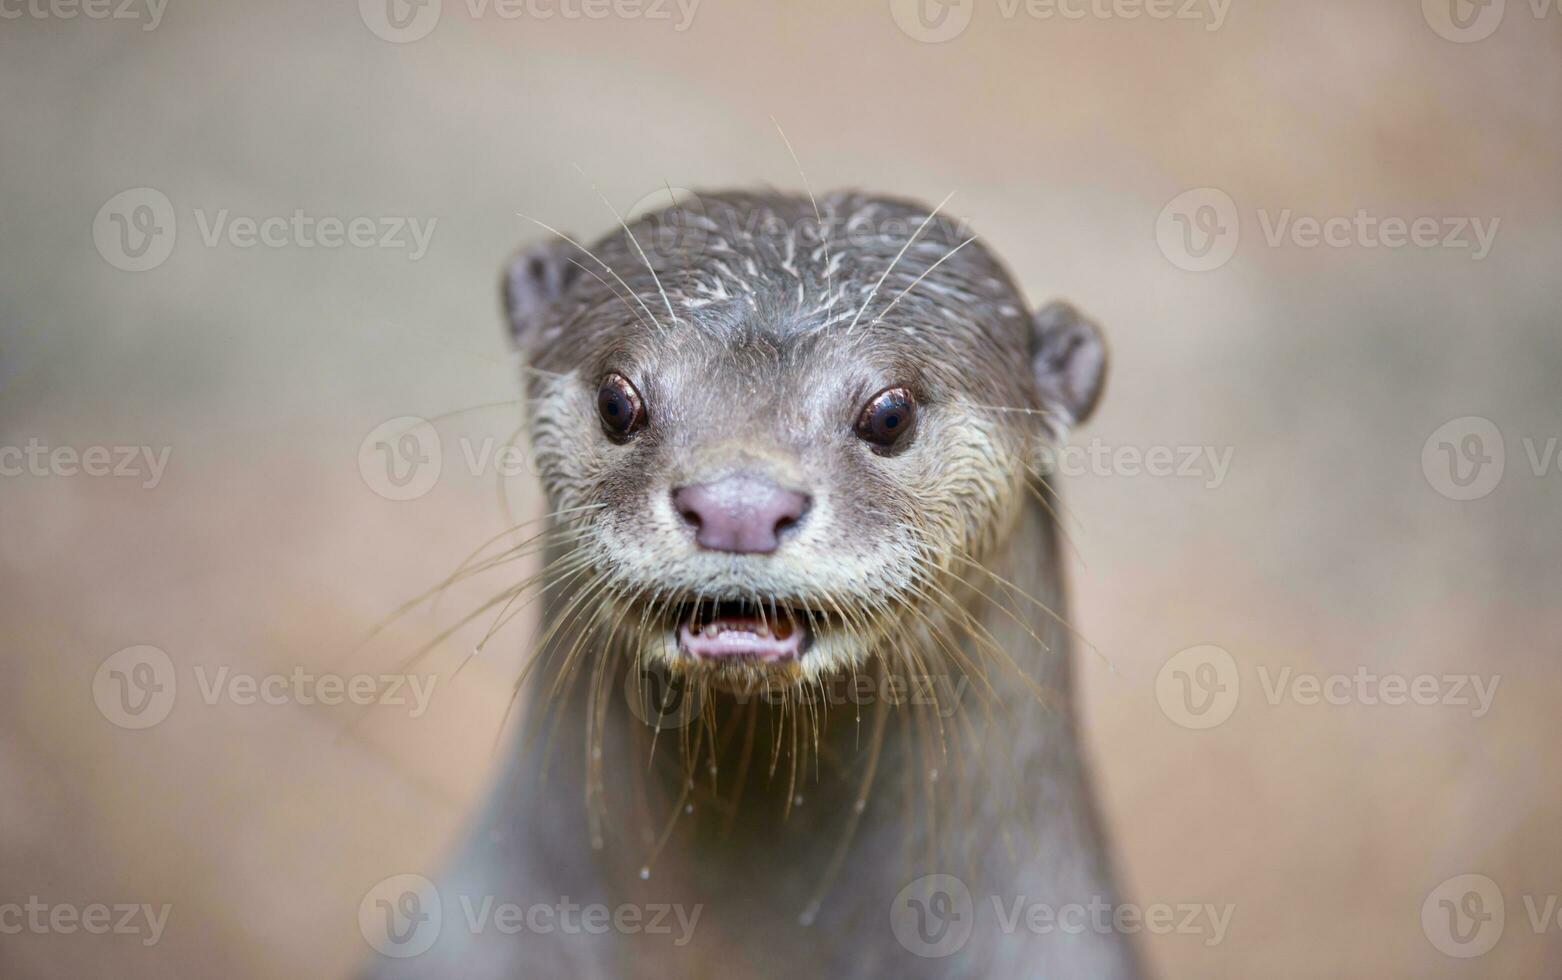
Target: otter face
{"type": "Point", "coordinates": [776, 453]}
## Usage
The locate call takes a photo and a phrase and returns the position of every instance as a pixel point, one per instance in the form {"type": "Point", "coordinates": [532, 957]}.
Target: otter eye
{"type": "Point", "coordinates": [888, 418]}
{"type": "Point", "coordinates": [619, 405]}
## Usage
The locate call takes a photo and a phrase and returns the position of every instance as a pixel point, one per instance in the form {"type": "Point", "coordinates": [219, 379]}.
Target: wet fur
{"type": "Point", "coordinates": [794, 823]}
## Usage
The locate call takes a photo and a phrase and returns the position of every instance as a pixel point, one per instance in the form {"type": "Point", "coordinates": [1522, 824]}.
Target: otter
{"type": "Point", "coordinates": [803, 682]}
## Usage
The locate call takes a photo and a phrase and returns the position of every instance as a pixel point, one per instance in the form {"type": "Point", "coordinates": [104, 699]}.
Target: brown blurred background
{"type": "Point", "coordinates": [264, 547]}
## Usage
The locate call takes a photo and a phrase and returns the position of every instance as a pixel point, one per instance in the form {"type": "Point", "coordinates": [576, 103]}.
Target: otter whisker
{"type": "Point", "coordinates": [636, 242]}
{"type": "Point", "coordinates": [901, 254]}
{"type": "Point", "coordinates": [1043, 607]}
{"type": "Point", "coordinates": [619, 279]}
{"type": "Point", "coordinates": [433, 592]}
{"type": "Point", "coordinates": [829, 276]}
{"type": "Point", "coordinates": [1045, 500]}
{"type": "Point", "coordinates": [687, 786]}
{"type": "Point", "coordinates": [616, 294]}
{"type": "Point", "coordinates": [915, 282]}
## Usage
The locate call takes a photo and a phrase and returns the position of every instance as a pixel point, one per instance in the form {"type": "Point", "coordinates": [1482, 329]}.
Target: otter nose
{"type": "Point", "coordinates": [741, 514]}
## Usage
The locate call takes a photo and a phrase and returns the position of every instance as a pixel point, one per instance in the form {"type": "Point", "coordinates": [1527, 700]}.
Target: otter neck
{"type": "Point", "coordinates": [988, 785]}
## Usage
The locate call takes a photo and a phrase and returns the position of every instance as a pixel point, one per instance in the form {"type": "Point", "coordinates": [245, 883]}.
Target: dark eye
{"type": "Point", "coordinates": [888, 418]}
{"type": "Point", "coordinates": [619, 404]}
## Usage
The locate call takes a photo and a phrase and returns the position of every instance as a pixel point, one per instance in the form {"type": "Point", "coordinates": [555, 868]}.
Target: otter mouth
{"type": "Point", "coordinates": [740, 630]}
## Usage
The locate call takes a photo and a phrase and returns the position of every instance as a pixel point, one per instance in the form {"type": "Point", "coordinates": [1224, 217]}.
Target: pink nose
{"type": "Point", "coordinates": [740, 514]}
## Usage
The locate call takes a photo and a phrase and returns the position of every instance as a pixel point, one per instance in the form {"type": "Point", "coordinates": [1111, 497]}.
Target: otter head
{"type": "Point", "coordinates": [776, 444]}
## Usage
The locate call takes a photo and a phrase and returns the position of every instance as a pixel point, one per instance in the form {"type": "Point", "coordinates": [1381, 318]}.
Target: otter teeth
{"type": "Point", "coordinates": [741, 632]}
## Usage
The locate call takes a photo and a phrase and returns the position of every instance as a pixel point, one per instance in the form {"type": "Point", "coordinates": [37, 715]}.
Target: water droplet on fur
{"type": "Point", "coordinates": [596, 754]}
{"type": "Point", "coordinates": [860, 805]}
{"type": "Point", "coordinates": [807, 918]}
{"type": "Point", "coordinates": [932, 775]}
{"type": "Point", "coordinates": [688, 808]}
{"type": "Point", "coordinates": [645, 873]}
{"type": "Point", "coordinates": [797, 800]}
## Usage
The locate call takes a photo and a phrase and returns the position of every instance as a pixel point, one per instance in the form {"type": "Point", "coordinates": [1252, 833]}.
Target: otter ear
{"type": "Point", "coordinates": [1068, 355]}
{"type": "Point", "coordinates": [533, 282]}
